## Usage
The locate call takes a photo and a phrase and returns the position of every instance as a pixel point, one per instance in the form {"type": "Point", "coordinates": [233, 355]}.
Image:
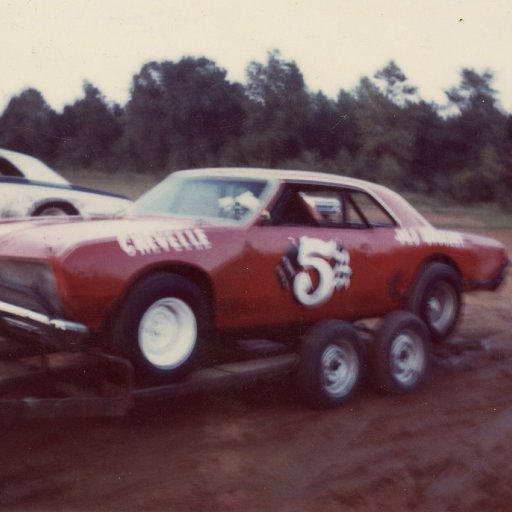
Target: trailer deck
{"type": "Point", "coordinates": [61, 384]}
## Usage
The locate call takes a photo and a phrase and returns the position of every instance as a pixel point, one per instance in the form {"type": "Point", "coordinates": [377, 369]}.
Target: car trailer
{"type": "Point", "coordinates": [64, 384]}
{"type": "Point", "coordinates": [329, 366]}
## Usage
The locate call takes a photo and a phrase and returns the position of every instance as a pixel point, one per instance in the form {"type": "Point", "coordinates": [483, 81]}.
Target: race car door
{"type": "Point", "coordinates": [324, 251]}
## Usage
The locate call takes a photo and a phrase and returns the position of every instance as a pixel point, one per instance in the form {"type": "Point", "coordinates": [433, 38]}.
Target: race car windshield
{"type": "Point", "coordinates": [234, 199]}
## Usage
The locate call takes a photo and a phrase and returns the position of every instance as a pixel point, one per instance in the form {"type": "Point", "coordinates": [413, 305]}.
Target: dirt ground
{"type": "Point", "coordinates": [446, 447]}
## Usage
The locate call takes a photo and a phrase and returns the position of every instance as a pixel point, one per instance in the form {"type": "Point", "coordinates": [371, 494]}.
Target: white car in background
{"type": "Point", "coordinates": [29, 188]}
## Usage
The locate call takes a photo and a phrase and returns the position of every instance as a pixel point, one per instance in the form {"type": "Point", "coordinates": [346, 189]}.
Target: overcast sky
{"type": "Point", "coordinates": [53, 45]}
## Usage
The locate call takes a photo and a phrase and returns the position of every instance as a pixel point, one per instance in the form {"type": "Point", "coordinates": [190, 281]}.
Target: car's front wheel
{"type": "Point", "coordinates": [160, 327]}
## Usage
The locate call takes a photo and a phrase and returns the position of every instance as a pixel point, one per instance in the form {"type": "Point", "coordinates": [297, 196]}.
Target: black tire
{"type": "Point", "coordinates": [330, 366]}
{"type": "Point", "coordinates": [55, 209]}
{"type": "Point", "coordinates": [436, 298]}
{"type": "Point", "coordinates": [161, 327]}
{"type": "Point", "coordinates": [399, 354]}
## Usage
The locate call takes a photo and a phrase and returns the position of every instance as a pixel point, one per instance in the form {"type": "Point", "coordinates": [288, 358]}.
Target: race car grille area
{"type": "Point", "coordinates": [29, 285]}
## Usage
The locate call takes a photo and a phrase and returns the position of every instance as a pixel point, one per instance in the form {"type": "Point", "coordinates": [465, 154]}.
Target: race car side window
{"type": "Point", "coordinates": [309, 205]}
{"type": "Point", "coordinates": [330, 207]}
{"type": "Point", "coordinates": [293, 210]}
{"type": "Point", "coordinates": [7, 169]}
{"type": "Point", "coordinates": [327, 205]}
{"type": "Point", "coordinates": [363, 212]}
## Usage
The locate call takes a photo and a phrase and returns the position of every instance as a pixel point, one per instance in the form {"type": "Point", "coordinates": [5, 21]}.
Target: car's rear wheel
{"type": "Point", "coordinates": [55, 209]}
{"type": "Point", "coordinates": [161, 326]}
{"type": "Point", "coordinates": [330, 366]}
{"type": "Point", "coordinates": [398, 356]}
{"type": "Point", "coordinates": [436, 298]}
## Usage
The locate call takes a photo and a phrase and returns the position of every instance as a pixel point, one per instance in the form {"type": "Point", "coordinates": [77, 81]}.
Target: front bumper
{"type": "Point", "coordinates": [54, 332]}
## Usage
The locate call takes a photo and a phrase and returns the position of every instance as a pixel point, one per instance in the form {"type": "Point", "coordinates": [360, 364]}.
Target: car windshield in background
{"type": "Point", "coordinates": [233, 199]}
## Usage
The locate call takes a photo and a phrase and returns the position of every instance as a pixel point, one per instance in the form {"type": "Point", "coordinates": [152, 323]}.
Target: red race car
{"type": "Point", "coordinates": [231, 253]}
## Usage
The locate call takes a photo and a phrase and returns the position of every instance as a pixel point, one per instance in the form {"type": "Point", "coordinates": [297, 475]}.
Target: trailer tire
{"type": "Point", "coordinates": [161, 327]}
{"type": "Point", "coordinates": [436, 298]}
{"type": "Point", "coordinates": [398, 356]}
{"type": "Point", "coordinates": [330, 364]}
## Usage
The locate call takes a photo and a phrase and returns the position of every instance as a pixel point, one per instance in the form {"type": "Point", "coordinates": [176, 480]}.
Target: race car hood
{"type": "Point", "coordinates": [50, 237]}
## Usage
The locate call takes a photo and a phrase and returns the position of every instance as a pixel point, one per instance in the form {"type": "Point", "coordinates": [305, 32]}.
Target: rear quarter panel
{"type": "Point", "coordinates": [479, 260]}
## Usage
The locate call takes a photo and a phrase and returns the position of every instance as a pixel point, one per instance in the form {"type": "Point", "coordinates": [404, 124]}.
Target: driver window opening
{"type": "Point", "coordinates": [293, 210]}
{"type": "Point", "coordinates": [326, 206]}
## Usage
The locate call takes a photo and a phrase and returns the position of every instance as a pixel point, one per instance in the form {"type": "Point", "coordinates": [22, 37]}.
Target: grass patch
{"type": "Point", "coordinates": [129, 184]}
{"type": "Point", "coordinates": [444, 214]}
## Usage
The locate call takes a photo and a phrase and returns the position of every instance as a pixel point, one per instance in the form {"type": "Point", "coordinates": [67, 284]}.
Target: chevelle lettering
{"type": "Point", "coordinates": [186, 240]}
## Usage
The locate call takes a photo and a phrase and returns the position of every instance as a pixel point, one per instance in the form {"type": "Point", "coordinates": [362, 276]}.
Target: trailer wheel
{"type": "Point", "coordinates": [399, 354]}
{"type": "Point", "coordinates": [331, 361]}
{"type": "Point", "coordinates": [436, 298]}
{"type": "Point", "coordinates": [161, 326]}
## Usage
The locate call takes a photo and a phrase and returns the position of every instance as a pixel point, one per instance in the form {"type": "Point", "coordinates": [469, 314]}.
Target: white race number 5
{"type": "Point", "coordinates": [313, 256]}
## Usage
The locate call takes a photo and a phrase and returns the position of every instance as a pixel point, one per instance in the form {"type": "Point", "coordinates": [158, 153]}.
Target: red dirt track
{"type": "Point", "coordinates": [446, 447]}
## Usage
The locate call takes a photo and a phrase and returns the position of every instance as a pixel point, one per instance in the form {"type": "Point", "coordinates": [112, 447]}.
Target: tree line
{"type": "Point", "coordinates": [187, 114]}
